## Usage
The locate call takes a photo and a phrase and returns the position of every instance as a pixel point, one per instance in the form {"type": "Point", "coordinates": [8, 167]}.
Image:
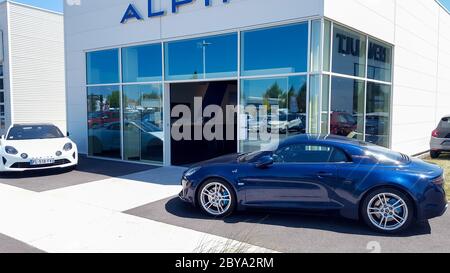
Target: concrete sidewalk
{"type": "Point", "coordinates": [89, 218]}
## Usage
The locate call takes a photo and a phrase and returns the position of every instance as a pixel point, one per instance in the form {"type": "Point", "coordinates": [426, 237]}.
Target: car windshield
{"type": "Point", "coordinates": [385, 155]}
{"type": "Point", "coordinates": [34, 132]}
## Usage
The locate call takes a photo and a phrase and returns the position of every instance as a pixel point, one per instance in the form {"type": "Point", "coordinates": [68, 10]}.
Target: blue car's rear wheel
{"type": "Point", "coordinates": [388, 210]}
{"type": "Point", "coordinates": [216, 198]}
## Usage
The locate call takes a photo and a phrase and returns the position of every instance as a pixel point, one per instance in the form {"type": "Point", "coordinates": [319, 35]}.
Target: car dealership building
{"type": "Point", "coordinates": [377, 71]}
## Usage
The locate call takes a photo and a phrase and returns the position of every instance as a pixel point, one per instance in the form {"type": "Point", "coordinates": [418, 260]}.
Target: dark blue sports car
{"type": "Point", "coordinates": [388, 190]}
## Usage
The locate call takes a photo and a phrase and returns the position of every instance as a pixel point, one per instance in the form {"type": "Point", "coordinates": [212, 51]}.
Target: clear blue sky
{"type": "Point", "coordinates": [57, 5]}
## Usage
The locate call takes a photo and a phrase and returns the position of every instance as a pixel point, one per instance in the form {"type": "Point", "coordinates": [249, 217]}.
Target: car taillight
{"type": "Point", "coordinates": [435, 133]}
{"type": "Point", "coordinates": [438, 181]}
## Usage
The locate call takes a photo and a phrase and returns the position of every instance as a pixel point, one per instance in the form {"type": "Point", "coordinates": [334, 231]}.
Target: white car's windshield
{"type": "Point", "coordinates": [34, 132]}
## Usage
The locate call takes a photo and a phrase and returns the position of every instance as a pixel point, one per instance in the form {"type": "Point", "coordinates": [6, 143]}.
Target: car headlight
{"type": "Point", "coordinates": [11, 150]}
{"type": "Point", "coordinates": [191, 171]}
{"type": "Point", "coordinates": [68, 147]}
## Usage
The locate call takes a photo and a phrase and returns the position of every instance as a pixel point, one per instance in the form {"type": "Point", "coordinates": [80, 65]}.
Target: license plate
{"type": "Point", "coordinates": [44, 161]}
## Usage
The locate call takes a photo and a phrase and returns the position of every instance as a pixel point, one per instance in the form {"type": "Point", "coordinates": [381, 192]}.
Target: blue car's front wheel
{"type": "Point", "coordinates": [216, 198]}
{"type": "Point", "coordinates": [388, 210]}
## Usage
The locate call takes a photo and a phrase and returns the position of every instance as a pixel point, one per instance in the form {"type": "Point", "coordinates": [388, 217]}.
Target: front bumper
{"type": "Point", "coordinates": [187, 194]}
{"type": "Point", "coordinates": [14, 163]}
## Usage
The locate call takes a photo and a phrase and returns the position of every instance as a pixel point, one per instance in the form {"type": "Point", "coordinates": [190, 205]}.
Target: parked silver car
{"type": "Point", "coordinates": [440, 138]}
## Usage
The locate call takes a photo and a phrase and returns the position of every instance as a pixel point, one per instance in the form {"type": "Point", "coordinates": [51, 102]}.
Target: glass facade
{"type": "Point", "coordinates": [104, 124]}
{"type": "Point", "coordinates": [103, 67]}
{"type": "Point", "coordinates": [143, 123]}
{"type": "Point", "coordinates": [204, 58]}
{"type": "Point", "coordinates": [342, 86]}
{"type": "Point", "coordinates": [277, 50]}
{"type": "Point", "coordinates": [349, 52]}
{"type": "Point", "coordinates": [286, 95]}
{"type": "Point", "coordinates": [142, 64]}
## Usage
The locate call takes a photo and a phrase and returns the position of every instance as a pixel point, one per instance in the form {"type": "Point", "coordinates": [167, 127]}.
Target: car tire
{"type": "Point", "coordinates": [435, 154]}
{"type": "Point", "coordinates": [388, 211]}
{"type": "Point", "coordinates": [216, 203]}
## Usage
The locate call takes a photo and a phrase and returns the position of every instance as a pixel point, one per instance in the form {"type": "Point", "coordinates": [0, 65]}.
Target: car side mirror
{"type": "Point", "coordinates": [264, 162]}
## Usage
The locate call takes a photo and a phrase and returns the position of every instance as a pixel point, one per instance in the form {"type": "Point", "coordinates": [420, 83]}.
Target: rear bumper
{"type": "Point", "coordinates": [440, 144]}
{"type": "Point", "coordinates": [435, 203]}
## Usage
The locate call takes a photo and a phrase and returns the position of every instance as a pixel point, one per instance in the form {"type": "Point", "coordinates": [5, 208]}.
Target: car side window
{"type": "Point", "coordinates": [303, 153]}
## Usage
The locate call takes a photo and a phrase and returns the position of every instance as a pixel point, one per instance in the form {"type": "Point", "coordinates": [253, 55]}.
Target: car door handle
{"type": "Point", "coordinates": [324, 174]}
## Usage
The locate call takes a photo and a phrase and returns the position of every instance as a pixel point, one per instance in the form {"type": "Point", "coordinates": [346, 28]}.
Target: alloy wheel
{"type": "Point", "coordinates": [215, 198]}
{"type": "Point", "coordinates": [387, 211]}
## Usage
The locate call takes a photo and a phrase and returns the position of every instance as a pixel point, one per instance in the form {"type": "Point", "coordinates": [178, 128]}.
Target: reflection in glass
{"type": "Point", "coordinates": [327, 46]}
{"type": "Point", "coordinates": [277, 50]}
{"type": "Point", "coordinates": [349, 52]}
{"type": "Point", "coordinates": [143, 126]}
{"type": "Point", "coordinates": [347, 108]}
{"type": "Point", "coordinates": [103, 66]}
{"type": "Point", "coordinates": [379, 61]}
{"type": "Point", "coordinates": [286, 93]}
{"type": "Point", "coordinates": [208, 57]}
{"type": "Point", "coordinates": [104, 121]}
{"type": "Point", "coordinates": [316, 40]}
{"type": "Point", "coordinates": [377, 117]}
{"type": "Point", "coordinates": [142, 63]}
{"type": "Point", "coordinates": [314, 104]}
{"type": "Point", "coordinates": [325, 120]}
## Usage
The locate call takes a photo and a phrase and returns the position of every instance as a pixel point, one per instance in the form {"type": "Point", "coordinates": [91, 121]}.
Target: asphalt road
{"type": "Point", "coordinates": [296, 232]}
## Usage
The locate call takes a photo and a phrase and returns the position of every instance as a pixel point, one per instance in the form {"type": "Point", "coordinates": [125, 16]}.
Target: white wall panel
{"type": "Point", "coordinates": [37, 60]}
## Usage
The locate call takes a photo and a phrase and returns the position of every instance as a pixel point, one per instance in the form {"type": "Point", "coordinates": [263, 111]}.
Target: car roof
{"type": "Point", "coordinates": [32, 124]}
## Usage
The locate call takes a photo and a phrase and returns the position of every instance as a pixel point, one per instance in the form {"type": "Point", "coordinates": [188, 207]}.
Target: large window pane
{"type": "Point", "coordinates": [378, 117]}
{"type": "Point", "coordinates": [379, 61]}
{"type": "Point", "coordinates": [288, 94]}
{"type": "Point", "coordinates": [275, 50]}
{"type": "Point", "coordinates": [2, 97]}
{"type": "Point", "coordinates": [143, 123]}
{"type": "Point", "coordinates": [349, 52]}
{"type": "Point", "coordinates": [1, 70]}
{"type": "Point", "coordinates": [208, 57]}
{"type": "Point", "coordinates": [104, 121]}
{"type": "Point", "coordinates": [103, 66]}
{"type": "Point", "coordinates": [1, 84]}
{"type": "Point", "coordinates": [142, 63]}
{"type": "Point", "coordinates": [347, 107]}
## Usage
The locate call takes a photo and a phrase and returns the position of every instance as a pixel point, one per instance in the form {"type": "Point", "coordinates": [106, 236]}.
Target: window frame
{"type": "Point", "coordinates": [333, 147]}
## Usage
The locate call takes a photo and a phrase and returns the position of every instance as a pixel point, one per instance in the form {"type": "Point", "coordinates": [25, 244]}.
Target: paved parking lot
{"type": "Point", "coordinates": [296, 232]}
{"type": "Point", "coordinates": [88, 170]}
{"type": "Point", "coordinates": [107, 206]}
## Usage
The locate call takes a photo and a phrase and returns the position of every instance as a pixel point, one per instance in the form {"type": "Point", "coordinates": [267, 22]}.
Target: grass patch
{"type": "Point", "coordinates": [444, 162]}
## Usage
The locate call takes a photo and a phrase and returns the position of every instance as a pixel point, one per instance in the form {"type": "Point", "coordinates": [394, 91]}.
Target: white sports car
{"type": "Point", "coordinates": [36, 147]}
